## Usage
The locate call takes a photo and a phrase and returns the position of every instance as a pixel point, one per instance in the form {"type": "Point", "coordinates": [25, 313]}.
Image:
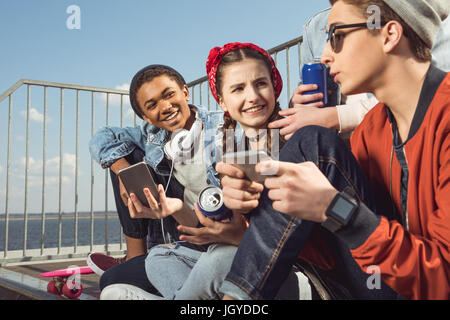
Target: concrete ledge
{"type": "Point", "coordinates": [33, 256]}
{"type": "Point", "coordinates": [31, 287]}
{"type": "Point", "coordinates": [24, 285]}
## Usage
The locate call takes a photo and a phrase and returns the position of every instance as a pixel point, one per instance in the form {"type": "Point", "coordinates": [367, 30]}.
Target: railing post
{"type": "Point", "coordinates": [27, 149]}
{"type": "Point", "coordinates": [8, 165]}
{"type": "Point", "coordinates": [61, 116]}
{"type": "Point", "coordinates": [92, 175]}
{"type": "Point", "coordinates": [106, 182]}
{"type": "Point", "coordinates": [44, 160]}
{"type": "Point", "coordinates": [75, 232]}
{"type": "Point", "coordinates": [288, 76]}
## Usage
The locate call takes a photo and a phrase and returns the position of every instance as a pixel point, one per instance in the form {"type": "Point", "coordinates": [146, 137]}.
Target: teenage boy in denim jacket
{"type": "Point", "coordinates": [159, 96]}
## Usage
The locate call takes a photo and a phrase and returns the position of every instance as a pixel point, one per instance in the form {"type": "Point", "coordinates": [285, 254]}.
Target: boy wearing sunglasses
{"type": "Point", "coordinates": [343, 113]}
{"type": "Point", "coordinates": [383, 207]}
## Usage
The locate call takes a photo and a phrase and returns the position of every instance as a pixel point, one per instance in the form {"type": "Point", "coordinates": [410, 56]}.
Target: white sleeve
{"type": "Point", "coordinates": [352, 113]}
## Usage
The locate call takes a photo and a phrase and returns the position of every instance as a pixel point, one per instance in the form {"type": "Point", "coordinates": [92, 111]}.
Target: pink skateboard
{"type": "Point", "coordinates": [66, 281]}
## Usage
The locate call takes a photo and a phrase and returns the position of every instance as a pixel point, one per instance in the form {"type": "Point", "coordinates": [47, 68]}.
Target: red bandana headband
{"type": "Point", "coordinates": [215, 57]}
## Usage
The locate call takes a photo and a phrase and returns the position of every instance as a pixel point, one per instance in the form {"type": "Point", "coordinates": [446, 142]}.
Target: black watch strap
{"type": "Point", "coordinates": [333, 221]}
{"type": "Point", "coordinates": [331, 224]}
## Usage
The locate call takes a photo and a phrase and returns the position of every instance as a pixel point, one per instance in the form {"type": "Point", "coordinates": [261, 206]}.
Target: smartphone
{"type": "Point", "coordinates": [246, 161]}
{"type": "Point", "coordinates": [137, 177]}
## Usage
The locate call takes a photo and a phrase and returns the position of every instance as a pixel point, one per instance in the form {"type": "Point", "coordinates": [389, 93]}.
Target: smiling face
{"type": "Point", "coordinates": [164, 103]}
{"type": "Point", "coordinates": [247, 93]}
{"type": "Point", "coordinates": [360, 58]}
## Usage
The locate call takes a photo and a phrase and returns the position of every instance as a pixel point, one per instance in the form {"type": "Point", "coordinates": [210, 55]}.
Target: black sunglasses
{"type": "Point", "coordinates": [336, 40]}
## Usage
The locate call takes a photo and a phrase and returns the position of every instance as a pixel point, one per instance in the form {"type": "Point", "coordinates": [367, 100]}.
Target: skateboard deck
{"type": "Point", "coordinates": [66, 282]}
{"type": "Point", "coordinates": [67, 272]}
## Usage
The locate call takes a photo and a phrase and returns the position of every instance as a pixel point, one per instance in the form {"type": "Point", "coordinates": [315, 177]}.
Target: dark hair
{"type": "Point", "coordinates": [147, 74]}
{"type": "Point", "coordinates": [416, 44]}
{"type": "Point", "coordinates": [228, 122]}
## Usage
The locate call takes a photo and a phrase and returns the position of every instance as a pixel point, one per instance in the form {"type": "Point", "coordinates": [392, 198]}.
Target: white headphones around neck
{"type": "Point", "coordinates": [182, 143]}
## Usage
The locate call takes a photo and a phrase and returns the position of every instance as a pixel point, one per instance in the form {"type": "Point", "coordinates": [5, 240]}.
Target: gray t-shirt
{"type": "Point", "coordinates": [189, 167]}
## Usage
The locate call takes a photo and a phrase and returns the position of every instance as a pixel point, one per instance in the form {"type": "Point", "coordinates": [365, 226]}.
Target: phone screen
{"type": "Point", "coordinates": [137, 177]}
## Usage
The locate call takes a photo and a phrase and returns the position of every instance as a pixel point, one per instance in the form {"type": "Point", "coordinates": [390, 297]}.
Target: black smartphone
{"type": "Point", "coordinates": [137, 177]}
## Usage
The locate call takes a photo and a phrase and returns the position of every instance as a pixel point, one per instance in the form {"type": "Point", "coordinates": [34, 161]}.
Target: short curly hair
{"type": "Point", "coordinates": [147, 74]}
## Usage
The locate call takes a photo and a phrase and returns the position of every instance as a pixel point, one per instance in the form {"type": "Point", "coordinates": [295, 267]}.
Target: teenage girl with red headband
{"type": "Point", "coordinates": [246, 83]}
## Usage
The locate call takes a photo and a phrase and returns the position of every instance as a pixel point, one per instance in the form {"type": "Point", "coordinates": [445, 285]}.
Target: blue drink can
{"type": "Point", "coordinates": [210, 203]}
{"type": "Point", "coordinates": [316, 73]}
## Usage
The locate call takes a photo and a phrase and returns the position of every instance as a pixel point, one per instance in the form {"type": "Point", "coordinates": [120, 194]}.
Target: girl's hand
{"type": "Point", "coordinates": [300, 98]}
{"type": "Point", "coordinates": [298, 189]}
{"type": "Point", "coordinates": [227, 231]}
{"type": "Point", "coordinates": [166, 207]}
{"type": "Point", "coordinates": [304, 112]}
{"type": "Point", "coordinates": [239, 193]}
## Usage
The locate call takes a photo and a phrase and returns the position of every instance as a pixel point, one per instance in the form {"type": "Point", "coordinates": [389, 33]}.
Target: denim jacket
{"type": "Point", "coordinates": [112, 143]}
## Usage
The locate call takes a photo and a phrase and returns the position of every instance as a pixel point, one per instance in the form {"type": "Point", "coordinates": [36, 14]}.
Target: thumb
{"type": "Point", "coordinates": [268, 167]}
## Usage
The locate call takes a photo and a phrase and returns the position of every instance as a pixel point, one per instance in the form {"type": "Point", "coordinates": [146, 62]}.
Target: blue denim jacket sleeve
{"type": "Point", "coordinates": [314, 37]}
{"type": "Point", "coordinates": [112, 143]}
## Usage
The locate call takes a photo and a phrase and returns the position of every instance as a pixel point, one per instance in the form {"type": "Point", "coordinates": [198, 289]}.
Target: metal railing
{"type": "Point", "coordinates": [64, 103]}
{"type": "Point", "coordinates": [58, 251]}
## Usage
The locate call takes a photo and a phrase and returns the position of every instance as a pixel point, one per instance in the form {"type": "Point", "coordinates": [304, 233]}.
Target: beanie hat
{"type": "Point", "coordinates": [135, 83]}
{"type": "Point", "coordinates": [215, 57]}
{"type": "Point", "coordinates": [423, 16]}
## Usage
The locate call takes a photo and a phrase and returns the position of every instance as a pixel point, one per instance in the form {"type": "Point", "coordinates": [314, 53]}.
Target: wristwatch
{"type": "Point", "coordinates": [340, 211]}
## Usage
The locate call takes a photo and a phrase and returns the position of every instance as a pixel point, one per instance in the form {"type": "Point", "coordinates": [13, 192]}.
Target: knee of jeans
{"type": "Point", "coordinates": [313, 131]}
{"type": "Point", "coordinates": [317, 135]}
{"type": "Point", "coordinates": [157, 254]}
{"type": "Point", "coordinates": [218, 260]}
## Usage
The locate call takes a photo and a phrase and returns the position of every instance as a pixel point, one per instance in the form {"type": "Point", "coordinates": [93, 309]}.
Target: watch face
{"type": "Point", "coordinates": [342, 209]}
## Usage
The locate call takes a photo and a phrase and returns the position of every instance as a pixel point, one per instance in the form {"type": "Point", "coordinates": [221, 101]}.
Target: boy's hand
{"type": "Point", "coordinates": [166, 207]}
{"type": "Point", "coordinates": [298, 189]}
{"type": "Point", "coordinates": [227, 231]}
{"type": "Point", "coordinates": [239, 193]}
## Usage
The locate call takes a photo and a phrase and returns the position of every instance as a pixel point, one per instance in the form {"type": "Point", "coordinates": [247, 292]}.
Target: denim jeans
{"type": "Point", "coordinates": [182, 273]}
{"type": "Point", "coordinates": [274, 240]}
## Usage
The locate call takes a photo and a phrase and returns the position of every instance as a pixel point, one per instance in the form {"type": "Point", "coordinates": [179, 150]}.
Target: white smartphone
{"type": "Point", "coordinates": [137, 177]}
{"type": "Point", "coordinates": [246, 161]}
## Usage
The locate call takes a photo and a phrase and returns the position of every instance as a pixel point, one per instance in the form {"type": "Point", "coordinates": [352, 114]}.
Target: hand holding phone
{"type": "Point", "coordinates": [137, 177]}
{"type": "Point", "coordinates": [246, 161]}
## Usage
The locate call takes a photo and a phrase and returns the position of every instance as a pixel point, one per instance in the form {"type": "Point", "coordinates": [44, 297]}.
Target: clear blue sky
{"type": "Point", "coordinates": [116, 39]}
{"type": "Point", "coordinates": [119, 37]}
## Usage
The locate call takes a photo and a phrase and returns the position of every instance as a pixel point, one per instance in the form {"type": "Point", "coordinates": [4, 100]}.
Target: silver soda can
{"type": "Point", "coordinates": [210, 203]}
